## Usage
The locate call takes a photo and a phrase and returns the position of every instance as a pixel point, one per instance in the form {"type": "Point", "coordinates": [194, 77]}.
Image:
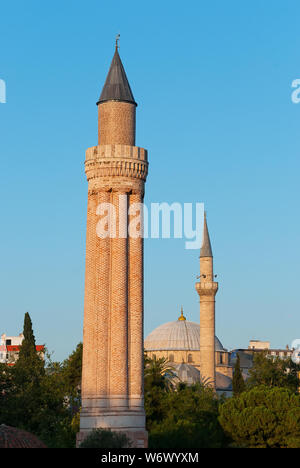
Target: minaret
{"type": "Point", "coordinates": [113, 347]}
{"type": "Point", "coordinates": [207, 289]}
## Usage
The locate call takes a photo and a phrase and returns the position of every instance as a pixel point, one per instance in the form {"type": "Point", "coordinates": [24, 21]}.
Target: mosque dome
{"type": "Point", "coordinates": [187, 373]}
{"type": "Point", "coordinates": [178, 335]}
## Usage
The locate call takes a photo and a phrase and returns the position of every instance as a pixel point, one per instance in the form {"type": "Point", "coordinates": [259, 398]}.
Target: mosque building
{"type": "Point", "coordinates": [179, 343]}
{"type": "Point", "coordinates": [193, 349]}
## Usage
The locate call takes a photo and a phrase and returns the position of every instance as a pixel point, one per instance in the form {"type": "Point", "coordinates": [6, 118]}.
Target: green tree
{"type": "Point", "coordinates": [178, 415]}
{"type": "Point", "coordinates": [155, 407]}
{"type": "Point", "coordinates": [72, 368]}
{"type": "Point", "coordinates": [29, 361]}
{"type": "Point", "coordinates": [238, 383]}
{"type": "Point", "coordinates": [159, 380]}
{"type": "Point", "coordinates": [65, 379]}
{"type": "Point", "coordinates": [34, 399]}
{"type": "Point", "coordinates": [105, 438]}
{"type": "Point", "coordinates": [159, 373]}
{"type": "Point", "coordinates": [263, 417]}
{"type": "Point", "coordinates": [26, 383]}
{"type": "Point", "coordinates": [273, 372]}
{"type": "Point", "coordinates": [189, 419]}
{"type": "Point", "coordinates": [6, 387]}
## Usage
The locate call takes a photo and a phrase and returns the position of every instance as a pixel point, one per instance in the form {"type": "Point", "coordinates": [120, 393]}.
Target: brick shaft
{"type": "Point", "coordinates": [118, 368]}
{"type": "Point", "coordinates": [116, 123]}
{"type": "Point", "coordinates": [136, 298]}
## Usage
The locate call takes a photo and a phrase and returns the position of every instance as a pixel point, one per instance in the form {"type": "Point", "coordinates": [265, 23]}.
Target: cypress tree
{"type": "Point", "coordinates": [28, 356]}
{"type": "Point", "coordinates": [238, 384]}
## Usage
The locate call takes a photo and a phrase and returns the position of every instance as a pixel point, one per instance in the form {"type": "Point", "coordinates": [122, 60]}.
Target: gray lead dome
{"type": "Point", "coordinates": [178, 335]}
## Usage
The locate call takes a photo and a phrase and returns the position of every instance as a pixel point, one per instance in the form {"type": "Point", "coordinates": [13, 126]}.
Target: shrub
{"type": "Point", "coordinates": [105, 438]}
{"type": "Point", "coordinates": [263, 417]}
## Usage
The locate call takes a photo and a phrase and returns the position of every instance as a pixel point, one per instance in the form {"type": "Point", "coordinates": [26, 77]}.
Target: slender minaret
{"type": "Point", "coordinates": [207, 289]}
{"type": "Point", "coordinates": [116, 170]}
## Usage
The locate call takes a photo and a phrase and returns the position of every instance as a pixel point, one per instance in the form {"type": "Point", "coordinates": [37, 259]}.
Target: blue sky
{"type": "Point", "coordinates": [213, 83]}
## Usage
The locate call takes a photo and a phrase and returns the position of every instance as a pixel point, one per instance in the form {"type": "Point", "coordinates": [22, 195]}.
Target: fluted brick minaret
{"type": "Point", "coordinates": [207, 289]}
{"type": "Point", "coordinates": [116, 170]}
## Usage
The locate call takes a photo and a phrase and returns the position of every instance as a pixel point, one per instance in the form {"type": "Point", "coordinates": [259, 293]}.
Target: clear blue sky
{"type": "Point", "coordinates": [213, 83]}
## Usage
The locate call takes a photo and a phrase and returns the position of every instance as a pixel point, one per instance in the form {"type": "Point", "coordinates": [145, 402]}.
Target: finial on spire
{"type": "Point", "coordinates": [117, 40]}
{"type": "Point", "coordinates": [182, 317]}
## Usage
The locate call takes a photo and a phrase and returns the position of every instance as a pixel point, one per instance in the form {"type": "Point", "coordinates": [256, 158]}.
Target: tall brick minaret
{"type": "Point", "coordinates": [207, 289]}
{"type": "Point", "coordinates": [116, 170]}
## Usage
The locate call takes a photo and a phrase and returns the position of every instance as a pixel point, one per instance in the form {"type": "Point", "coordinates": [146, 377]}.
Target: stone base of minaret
{"type": "Point", "coordinates": [129, 422]}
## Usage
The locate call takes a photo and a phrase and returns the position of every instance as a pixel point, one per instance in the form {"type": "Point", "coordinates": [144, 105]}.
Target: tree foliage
{"type": "Point", "coordinates": [71, 368]}
{"type": "Point", "coordinates": [263, 417]}
{"type": "Point", "coordinates": [177, 415]}
{"type": "Point", "coordinates": [188, 419]}
{"type": "Point", "coordinates": [105, 438]}
{"type": "Point", "coordinates": [238, 383]}
{"type": "Point", "coordinates": [273, 372]}
{"type": "Point", "coordinates": [43, 397]}
{"type": "Point", "coordinates": [36, 396]}
{"type": "Point", "coordinates": [27, 354]}
{"type": "Point", "coordinates": [159, 373]}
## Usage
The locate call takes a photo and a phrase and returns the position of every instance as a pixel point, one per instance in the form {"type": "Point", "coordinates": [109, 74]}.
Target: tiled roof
{"type": "Point", "coordinates": [11, 437]}
{"type": "Point", "coordinates": [11, 348]}
{"type": "Point", "coordinates": [16, 348]}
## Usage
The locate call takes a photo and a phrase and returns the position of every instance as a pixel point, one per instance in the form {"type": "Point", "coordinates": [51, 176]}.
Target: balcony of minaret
{"type": "Point", "coordinates": [115, 165]}
{"type": "Point", "coordinates": [207, 288]}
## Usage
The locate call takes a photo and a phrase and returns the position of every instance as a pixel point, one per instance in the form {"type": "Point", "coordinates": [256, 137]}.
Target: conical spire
{"type": "Point", "coordinates": [116, 87]}
{"type": "Point", "coordinates": [206, 246]}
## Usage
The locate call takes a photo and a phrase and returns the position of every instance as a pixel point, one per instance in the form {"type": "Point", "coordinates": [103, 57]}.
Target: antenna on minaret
{"type": "Point", "coordinates": [117, 40]}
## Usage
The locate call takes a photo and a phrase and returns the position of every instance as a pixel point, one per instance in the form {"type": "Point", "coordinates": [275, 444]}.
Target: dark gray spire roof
{"type": "Point", "coordinates": [116, 87]}
{"type": "Point", "coordinates": [206, 246]}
